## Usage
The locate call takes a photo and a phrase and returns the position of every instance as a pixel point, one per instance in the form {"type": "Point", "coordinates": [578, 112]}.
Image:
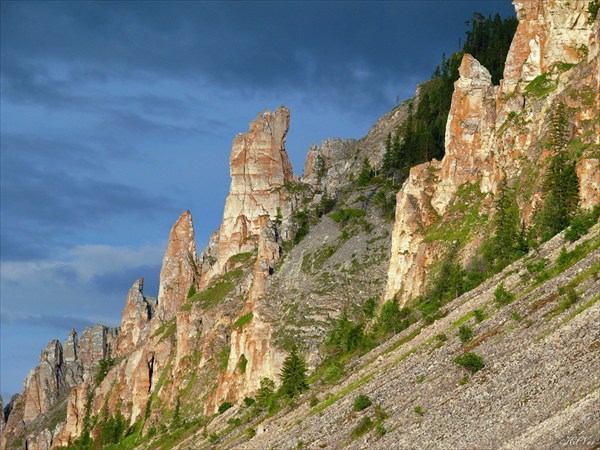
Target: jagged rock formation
{"type": "Point", "coordinates": [61, 368]}
{"type": "Point", "coordinates": [178, 271]}
{"type": "Point", "coordinates": [337, 162]}
{"type": "Point", "coordinates": [494, 132]}
{"type": "Point", "coordinates": [223, 321]}
{"type": "Point", "coordinates": [137, 314]}
{"type": "Point", "coordinates": [259, 168]}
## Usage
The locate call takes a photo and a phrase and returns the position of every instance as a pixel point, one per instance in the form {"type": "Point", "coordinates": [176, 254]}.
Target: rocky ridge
{"type": "Point", "coordinates": [498, 131]}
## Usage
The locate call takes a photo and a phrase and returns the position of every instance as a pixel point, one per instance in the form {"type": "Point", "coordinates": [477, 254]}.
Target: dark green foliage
{"type": "Point", "coordinates": [421, 137]}
{"type": "Point", "coordinates": [344, 216]}
{"type": "Point", "coordinates": [386, 203]}
{"type": "Point", "coordinates": [266, 396]}
{"type": "Point", "coordinates": [249, 401]}
{"type": "Point", "coordinates": [392, 319]}
{"type": "Point", "coordinates": [224, 407]}
{"type": "Point", "coordinates": [366, 173]}
{"type": "Point", "coordinates": [326, 204]}
{"type": "Point", "coordinates": [191, 291]}
{"type": "Point", "coordinates": [503, 296]}
{"type": "Point", "coordinates": [507, 226]}
{"type": "Point", "coordinates": [104, 365]}
{"type": "Point", "coordinates": [561, 184]}
{"type": "Point", "coordinates": [593, 7]}
{"type": "Point", "coordinates": [243, 362]}
{"type": "Point", "coordinates": [301, 222]}
{"type": "Point", "coordinates": [465, 333]}
{"type": "Point", "coordinates": [293, 375]}
{"type": "Point", "coordinates": [369, 307]}
{"type": "Point", "coordinates": [441, 337]}
{"type": "Point", "coordinates": [478, 314]}
{"type": "Point", "coordinates": [361, 402]}
{"type": "Point", "coordinates": [333, 373]}
{"type": "Point", "coordinates": [470, 361]}
{"type": "Point", "coordinates": [176, 423]}
{"type": "Point", "coordinates": [250, 433]}
{"type": "Point", "coordinates": [214, 438]}
{"type": "Point", "coordinates": [112, 428]}
{"type": "Point", "coordinates": [582, 222]}
{"type": "Point", "coordinates": [345, 337]}
{"type": "Point", "coordinates": [365, 425]}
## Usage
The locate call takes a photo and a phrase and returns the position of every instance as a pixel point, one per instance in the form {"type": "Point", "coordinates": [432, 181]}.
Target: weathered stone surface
{"type": "Point", "coordinates": [178, 271]}
{"type": "Point", "coordinates": [549, 32]}
{"type": "Point", "coordinates": [94, 345]}
{"type": "Point", "coordinates": [493, 133]}
{"type": "Point", "coordinates": [137, 314]}
{"type": "Point", "coordinates": [259, 168]}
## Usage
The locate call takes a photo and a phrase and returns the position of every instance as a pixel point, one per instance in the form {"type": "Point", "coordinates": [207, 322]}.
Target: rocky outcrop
{"type": "Point", "coordinates": [336, 162]}
{"type": "Point", "coordinates": [252, 355]}
{"type": "Point", "coordinates": [259, 168]}
{"type": "Point", "coordinates": [137, 314]}
{"type": "Point", "coordinates": [496, 132]}
{"type": "Point", "coordinates": [179, 270]}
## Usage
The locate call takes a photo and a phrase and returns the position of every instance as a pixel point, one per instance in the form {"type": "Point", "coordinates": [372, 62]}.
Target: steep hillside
{"type": "Point", "coordinates": [538, 387]}
{"type": "Point", "coordinates": [377, 303]}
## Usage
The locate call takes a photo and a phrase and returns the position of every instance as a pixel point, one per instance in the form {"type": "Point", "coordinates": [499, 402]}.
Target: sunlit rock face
{"type": "Point", "coordinates": [179, 269]}
{"type": "Point", "coordinates": [495, 132]}
{"type": "Point", "coordinates": [259, 168]}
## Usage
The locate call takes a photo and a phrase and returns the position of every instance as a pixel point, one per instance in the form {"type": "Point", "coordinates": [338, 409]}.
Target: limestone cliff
{"type": "Point", "coordinates": [259, 168]}
{"type": "Point", "coordinates": [496, 131]}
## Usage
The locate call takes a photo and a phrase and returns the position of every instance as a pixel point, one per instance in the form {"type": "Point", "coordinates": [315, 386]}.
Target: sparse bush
{"type": "Point", "coordinates": [365, 425]}
{"type": "Point", "coordinates": [380, 430]}
{"type": "Point", "coordinates": [516, 316]}
{"type": "Point", "coordinates": [361, 402]}
{"type": "Point", "coordinates": [441, 337]}
{"type": "Point", "coordinates": [369, 307]}
{"type": "Point", "coordinates": [224, 407]}
{"type": "Point", "coordinates": [418, 410]}
{"type": "Point", "coordinates": [250, 433]}
{"type": "Point", "coordinates": [249, 401]}
{"type": "Point", "coordinates": [392, 319]}
{"type": "Point", "coordinates": [478, 314]}
{"type": "Point", "coordinates": [314, 401]}
{"type": "Point", "coordinates": [214, 438]}
{"type": "Point", "coordinates": [503, 296]}
{"type": "Point", "coordinates": [465, 333]}
{"type": "Point", "coordinates": [470, 361]}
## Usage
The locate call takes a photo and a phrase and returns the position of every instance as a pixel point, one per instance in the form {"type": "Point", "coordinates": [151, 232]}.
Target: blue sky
{"type": "Point", "coordinates": [118, 116]}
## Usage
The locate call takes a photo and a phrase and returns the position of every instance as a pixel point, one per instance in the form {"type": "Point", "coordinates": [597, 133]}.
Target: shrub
{"type": "Point", "coordinates": [380, 430]}
{"type": "Point", "coordinates": [333, 373]}
{"type": "Point", "coordinates": [441, 337]}
{"type": "Point", "coordinates": [224, 407]}
{"type": "Point", "coordinates": [369, 307]}
{"type": "Point", "coordinates": [392, 318]}
{"type": "Point", "coordinates": [465, 333]}
{"type": "Point", "coordinates": [243, 363]}
{"type": "Point", "coordinates": [214, 438]}
{"type": "Point", "coordinates": [191, 291]}
{"type": "Point", "coordinates": [365, 425]}
{"type": "Point", "coordinates": [470, 361]}
{"type": "Point", "coordinates": [418, 410]}
{"type": "Point", "coordinates": [314, 401]}
{"type": "Point", "coordinates": [502, 295]}
{"type": "Point", "coordinates": [249, 401]}
{"type": "Point", "coordinates": [478, 314]}
{"type": "Point", "coordinates": [516, 316]}
{"type": "Point", "coordinates": [361, 402]}
{"type": "Point", "coordinates": [250, 433]}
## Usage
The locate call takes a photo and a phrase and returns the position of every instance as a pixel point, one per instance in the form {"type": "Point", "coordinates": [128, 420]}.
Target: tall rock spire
{"type": "Point", "coordinates": [178, 270]}
{"type": "Point", "coordinates": [259, 168]}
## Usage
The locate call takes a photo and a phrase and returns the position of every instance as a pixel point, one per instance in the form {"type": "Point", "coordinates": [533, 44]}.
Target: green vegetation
{"type": "Point", "coordinates": [361, 402]}
{"type": "Point", "coordinates": [593, 7]}
{"type": "Point", "coordinates": [418, 410]}
{"type": "Point", "coordinates": [392, 319]}
{"type": "Point", "coordinates": [503, 296]}
{"type": "Point", "coordinates": [344, 216]}
{"type": "Point", "coordinates": [104, 365]}
{"type": "Point", "coordinates": [293, 375]}
{"type": "Point", "coordinates": [300, 225]}
{"type": "Point", "coordinates": [470, 361]}
{"type": "Point", "coordinates": [582, 222]}
{"type": "Point", "coordinates": [421, 137]}
{"type": "Point", "coordinates": [541, 86]}
{"type": "Point", "coordinates": [191, 291]}
{"type": "Point", "coordinates": [364, 426]}
{"type": "Point", "coordinates": [465, 333]}
{"type": "Point", "coordinates": [243, 320]}
{"type": "Point", "coordinates": [243, 362]}
{"type": "Point", "coordinates": [479, 315]}
{"type": "Point", "coordinates": [366, 173]}
{"type": "Point", "coordinates": [224, 407]}
{"type": "Point", "coordinates": [242, 258]}
{"type": "Point", "coordinates": [369, 307]}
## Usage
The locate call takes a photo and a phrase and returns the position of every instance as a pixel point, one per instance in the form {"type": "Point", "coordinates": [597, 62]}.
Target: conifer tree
{"type": "Point", "coordinates": [561, 184]}
{"type": "Point", "coordinates": [293, 375]}
{"type": "Point", "coordinates": [507, 223]}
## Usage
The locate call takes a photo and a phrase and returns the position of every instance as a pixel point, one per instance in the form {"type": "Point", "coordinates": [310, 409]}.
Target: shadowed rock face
{"type": "Point", "coordinates": [137, 314]}
{"type": "Point", "coordinates": [259, 168]}
{"type": "Point", "coordinates": [494, 132]}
